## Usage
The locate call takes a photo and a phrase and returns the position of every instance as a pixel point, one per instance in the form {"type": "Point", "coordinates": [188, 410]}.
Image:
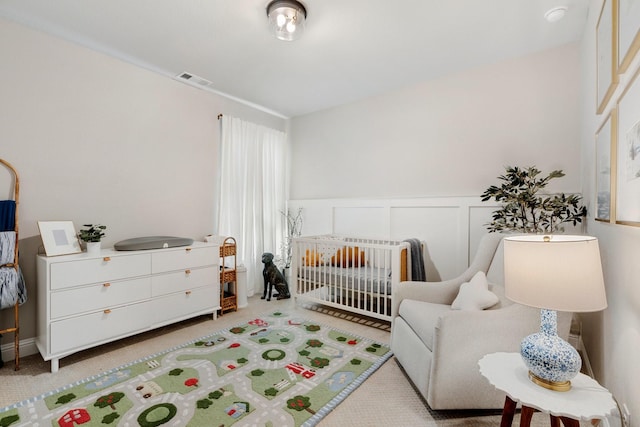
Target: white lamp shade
{"type": "Point", "coordinates": [563, 273]}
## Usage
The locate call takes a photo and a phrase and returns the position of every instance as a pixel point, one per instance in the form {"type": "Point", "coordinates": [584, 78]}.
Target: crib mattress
{"type": "Point", "coordinates": [360, 279]}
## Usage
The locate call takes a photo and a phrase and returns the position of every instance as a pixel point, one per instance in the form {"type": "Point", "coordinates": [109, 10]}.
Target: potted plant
{"type": "Point", "coordinates": [91, 235]}
{"type": "Point", "coordinates": [526, 209]}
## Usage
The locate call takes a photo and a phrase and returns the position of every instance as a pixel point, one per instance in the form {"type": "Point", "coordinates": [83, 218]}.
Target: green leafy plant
{"type": "Point", "coordinates": [525, 208]}
{"type": "Point", "coordinates": [92, 233]}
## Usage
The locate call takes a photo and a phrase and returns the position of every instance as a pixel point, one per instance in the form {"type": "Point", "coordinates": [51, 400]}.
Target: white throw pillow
{"type": "Point", "coordinates": [475, 294]}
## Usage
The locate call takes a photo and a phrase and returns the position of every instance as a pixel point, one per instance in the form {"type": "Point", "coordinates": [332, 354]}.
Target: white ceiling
{"type": "Point", "coordinates": [351, 49]}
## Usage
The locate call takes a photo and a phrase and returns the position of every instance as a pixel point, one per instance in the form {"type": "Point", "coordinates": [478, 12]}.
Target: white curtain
{"type": "Point", "coordinates": [252, 192]}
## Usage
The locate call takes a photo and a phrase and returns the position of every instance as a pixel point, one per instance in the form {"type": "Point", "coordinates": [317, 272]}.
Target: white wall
{"type": "Point", "coordinates": [96, 140]}
{"type": "Point", "coordinates": [446, 137]}
{"type": "Point", "coordinates": [412, 163]}
{"type": "Point", "coordinates": [612, 337]}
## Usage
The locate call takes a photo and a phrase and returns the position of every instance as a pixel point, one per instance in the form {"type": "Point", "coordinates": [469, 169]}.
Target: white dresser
{"type": "Point", "coordinates": [87, 300]}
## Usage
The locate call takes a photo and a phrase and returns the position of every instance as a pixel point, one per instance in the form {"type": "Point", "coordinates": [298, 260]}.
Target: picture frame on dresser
{"type": "Point", "coordinates": [628, 32]}
{"type": "Point", "coordinates": [606, 168]}
{"type": "Point", "coordinates": [606, 54]}
{"type": "Point", "coordinates": [59, 237]}
{"type": "Point", "coordinates": [627, 211]}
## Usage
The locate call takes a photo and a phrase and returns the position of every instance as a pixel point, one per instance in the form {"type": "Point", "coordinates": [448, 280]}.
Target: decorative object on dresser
{"type": "Point", "coordinates": [92, 235]}
{"type": "Point", "coordinates": [552, 273]}
{"type": "Point", "coordinates": [151, 242]}
{"type": "Point", "coordinates": [114, 294]}
{"type": "Point", "coordinates": [228, 275]}
{"type": "Point", "coordinates": [526, 209]}
{"type": "Point", "coordinates": [59, 237]}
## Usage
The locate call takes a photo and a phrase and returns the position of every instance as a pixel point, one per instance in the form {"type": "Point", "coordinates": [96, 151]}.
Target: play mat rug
{"type": "Point", "coordinates": [275, 371]}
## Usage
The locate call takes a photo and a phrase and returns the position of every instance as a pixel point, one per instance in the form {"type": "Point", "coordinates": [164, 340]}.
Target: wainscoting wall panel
{"type": "Point", "coordinates": [451, 226]}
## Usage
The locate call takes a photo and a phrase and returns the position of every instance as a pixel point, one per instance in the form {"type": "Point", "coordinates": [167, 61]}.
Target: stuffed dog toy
{"type": "Point", "coordinates": [273, 278]}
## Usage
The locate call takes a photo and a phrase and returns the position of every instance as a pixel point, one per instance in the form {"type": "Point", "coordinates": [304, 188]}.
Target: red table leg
{"type": "Point", "coordinates": [570, 422]}
{"type": "Point", "coordinates": [508, 412]}
{"type": "Point", "coordinates": [525, 416]}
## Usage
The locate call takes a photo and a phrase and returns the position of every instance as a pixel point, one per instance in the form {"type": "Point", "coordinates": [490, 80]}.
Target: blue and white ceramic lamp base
{"type": "Point", "coordinates": [552, 361]}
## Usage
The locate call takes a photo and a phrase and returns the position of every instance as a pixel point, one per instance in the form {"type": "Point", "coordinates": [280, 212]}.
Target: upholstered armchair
{"type": "Point", "coordinates": [439, 347]}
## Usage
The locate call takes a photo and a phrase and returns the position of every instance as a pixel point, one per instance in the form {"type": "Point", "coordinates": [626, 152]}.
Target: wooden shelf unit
{"type": "Point", "coordinates": [228, 276]}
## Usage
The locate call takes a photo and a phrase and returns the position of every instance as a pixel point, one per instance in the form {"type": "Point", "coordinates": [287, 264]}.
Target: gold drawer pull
{"type": "Point", "coordinates": [107, 311]}
{"type": "Point", "coordinates": [187, 272]}
{"type": "Point", "coordinates": [188, 249]}
{"type": "Point", "coordinates": [188, 293]}
{"type": "Point", "coordinates": [106, 285]}
{"type": "Point", "coordinates": [106, 259]}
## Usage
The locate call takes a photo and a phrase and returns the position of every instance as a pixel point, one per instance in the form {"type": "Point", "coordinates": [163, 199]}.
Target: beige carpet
{"type": "Point", "coordinates": [386, 398]}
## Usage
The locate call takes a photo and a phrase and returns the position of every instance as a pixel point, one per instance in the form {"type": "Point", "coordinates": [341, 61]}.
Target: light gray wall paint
{"type": "Point", "coordinates": [446, 137]}
{"type": "Point", "coordinates": [96, 140]}
{"type": "Point", "coordinates": [612, 337]}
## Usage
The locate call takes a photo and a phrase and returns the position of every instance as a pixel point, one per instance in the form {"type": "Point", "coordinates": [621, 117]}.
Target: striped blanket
{"type": "Point", "coordinates": [12, 286]}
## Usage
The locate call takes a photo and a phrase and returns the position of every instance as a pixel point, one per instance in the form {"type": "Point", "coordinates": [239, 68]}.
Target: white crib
{"type": "Point", "coordinates": [353, 274]}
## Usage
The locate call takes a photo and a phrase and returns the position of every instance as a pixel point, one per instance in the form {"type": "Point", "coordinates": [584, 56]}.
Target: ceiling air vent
{"type": "Point", "coordinates": [192, 79]}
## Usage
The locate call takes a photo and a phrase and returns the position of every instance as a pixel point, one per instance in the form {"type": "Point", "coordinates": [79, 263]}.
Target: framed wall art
{"type": "Point", "coordinates": [59, 237]}
{"type": "Point", "coordinates": [628, 32]}
{"type": "Point", "coordinates": [606, 169]}
{"type": "Point", "coordinates": [606, 54]}
{"type": "Point", "coordinates": [628, 155]}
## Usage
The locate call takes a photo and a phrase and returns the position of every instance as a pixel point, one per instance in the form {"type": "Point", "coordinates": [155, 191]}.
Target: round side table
{"type": "Point", "coordinates": [587, 400]}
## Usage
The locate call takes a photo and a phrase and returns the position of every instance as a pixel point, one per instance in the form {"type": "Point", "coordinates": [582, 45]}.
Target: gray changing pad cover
{"type": "Point", "coordinates": [151, 242]}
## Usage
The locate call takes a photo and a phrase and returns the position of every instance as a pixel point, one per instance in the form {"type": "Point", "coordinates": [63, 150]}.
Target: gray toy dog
{"type": "Point", "coordinates": [273, 277]}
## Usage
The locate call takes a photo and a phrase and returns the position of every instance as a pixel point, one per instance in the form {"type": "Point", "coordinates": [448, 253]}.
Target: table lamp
{"type": "Point", "coordinates": [553, 273]}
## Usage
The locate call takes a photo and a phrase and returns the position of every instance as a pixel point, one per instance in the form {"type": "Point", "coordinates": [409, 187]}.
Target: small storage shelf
{"type": "Point", "coordinates": [228, 276]}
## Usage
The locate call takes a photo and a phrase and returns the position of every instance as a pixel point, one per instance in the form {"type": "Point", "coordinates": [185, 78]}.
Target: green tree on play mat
{"type": "Point", "coordinates": [319, 362]}
{"type": "Point", "coordinates": [300, 403]}
{"type": "Point", "coordinates": [109, 419]}
{"type": "Point", "coordinates": [7, 421]}
{"type": "Point", "coordinates": [66, 398]}
{"type": "Point", "coordinates": [109, 400]}
{"type": "Point", "coordinates": [271, 391]}
{"type": "Point", "coordinates": [314, 343]}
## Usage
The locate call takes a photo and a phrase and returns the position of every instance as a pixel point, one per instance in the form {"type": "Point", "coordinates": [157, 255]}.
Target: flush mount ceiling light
{"type": "Point", "coordinates": [555, 14]}
{"type": "Point", "coordinates": [286, 19]}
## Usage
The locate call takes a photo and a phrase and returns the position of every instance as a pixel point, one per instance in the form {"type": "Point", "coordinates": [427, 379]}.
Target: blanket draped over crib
{"type": "Point", "coordinates": [12, 287]}
{"type": "Point", "coordinates": [418, 273]}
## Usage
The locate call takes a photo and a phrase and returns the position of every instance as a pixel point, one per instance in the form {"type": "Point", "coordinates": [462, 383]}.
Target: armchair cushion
{"type": "Point", "coordinates": [422, 316]}
{"type": "Point", "coordinates": [475, 294]}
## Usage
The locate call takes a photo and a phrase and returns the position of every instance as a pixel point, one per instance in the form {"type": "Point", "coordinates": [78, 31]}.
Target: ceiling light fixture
{"type": "Point", "coordinates": [286, 19]}
{"type": "Point", "coordinates": [555, 14]}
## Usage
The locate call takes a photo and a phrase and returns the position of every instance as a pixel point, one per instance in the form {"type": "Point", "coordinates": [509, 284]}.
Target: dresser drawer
{"type": "Point", "coordinates": [95, 297]}
{"type": "Point", "coordinates": [186, 304]}
{"type": "Point", "coordinates": [184, 280]}
{"type": "Point", "coordinates": [80, 332]}
{"type": "Point", "coordinates": [98, 270]}
{"type": "Point", "coordinates": [184, 258]}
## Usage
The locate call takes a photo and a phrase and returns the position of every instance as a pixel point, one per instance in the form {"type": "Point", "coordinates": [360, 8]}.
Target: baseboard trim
{"type": "Point", "coordinates": [27, 348]}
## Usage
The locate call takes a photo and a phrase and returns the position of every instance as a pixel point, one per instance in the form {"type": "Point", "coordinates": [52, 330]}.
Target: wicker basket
{"type": "Point", "coordinates": [227, 276]}
{"type": "Point", "coordinates": [227, 250]}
